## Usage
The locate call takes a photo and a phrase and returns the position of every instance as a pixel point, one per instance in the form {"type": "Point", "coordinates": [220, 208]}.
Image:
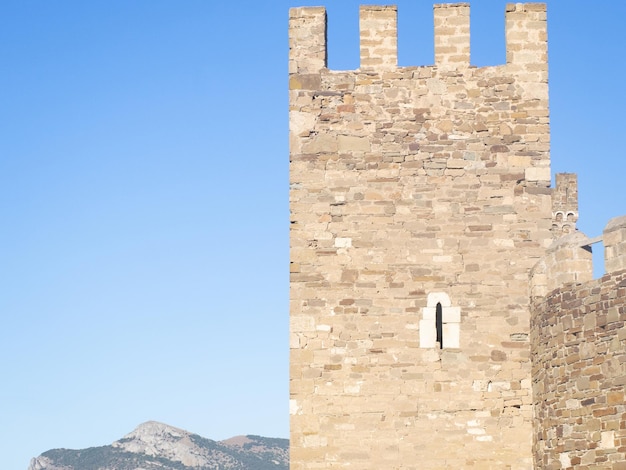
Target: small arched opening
{"type": "Point", "coordinates": [440, 326]}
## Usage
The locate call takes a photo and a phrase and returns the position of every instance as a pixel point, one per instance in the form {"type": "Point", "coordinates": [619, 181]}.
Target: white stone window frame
{"type": "Point", "coordinates": [451, 322]}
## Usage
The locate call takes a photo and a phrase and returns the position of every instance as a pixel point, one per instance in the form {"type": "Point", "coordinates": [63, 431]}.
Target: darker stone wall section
{"type": "Point", "coordinates": [578, 338]}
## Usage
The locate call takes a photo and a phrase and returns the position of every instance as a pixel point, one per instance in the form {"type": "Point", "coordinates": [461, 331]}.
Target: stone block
{"type": "Point", "coordinates": [323, 143]}
{"type": "Point", "coordinates": [343, 242]}
{"type": "Point", "coordinates": [429, 313]}
{"type": "Point", "coordinates": [428, 334]}
{"type": "Point", "coordinates": [537, 174]}
{"type": "Point", "coordinates": [347, 144]}
{"type": "Point", "coordinates": [451, 335]}
{"type": "Point", "coordinates": [451, 314]}
{"type": "Point", "coordinates": [607, 440]}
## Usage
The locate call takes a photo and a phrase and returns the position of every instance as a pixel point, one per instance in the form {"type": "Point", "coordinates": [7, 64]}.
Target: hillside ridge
{"type": "Point", "coordinates": [153, 445]}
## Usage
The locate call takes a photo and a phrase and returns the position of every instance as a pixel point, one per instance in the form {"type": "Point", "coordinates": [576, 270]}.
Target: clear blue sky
{"type": "Point", "coordinates": [144, 200]}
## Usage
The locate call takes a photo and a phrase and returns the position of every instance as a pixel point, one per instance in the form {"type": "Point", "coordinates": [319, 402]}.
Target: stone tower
{"type": "Point", "coordinates": [420, 199]}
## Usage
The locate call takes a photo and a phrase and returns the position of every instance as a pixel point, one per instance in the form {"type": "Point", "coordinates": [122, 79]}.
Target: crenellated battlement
{"type": "Point", "coordinates": [378, 37]}
{"type": "Point", "coordinates": [307, 40]}
{"type": "Point", "coordinates": [526, 38]}
{"type": "Point", "coordinates": [452, 35]}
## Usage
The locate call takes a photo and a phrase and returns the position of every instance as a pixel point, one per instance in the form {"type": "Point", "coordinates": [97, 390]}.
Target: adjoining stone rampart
{"type": "Point", "coordinates": [578, 344]}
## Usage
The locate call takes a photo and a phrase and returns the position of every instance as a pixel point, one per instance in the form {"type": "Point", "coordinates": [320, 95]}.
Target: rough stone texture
{"type": "Point", "coordinates": [408, 183]}
{"type": "Point", "coordinates": [568, 259]}
{"type": "Point", "coordinates": [614, 238]}
{"type": "Point", "coordinates": [452, 35]}
{"type": "Point", "coordinates": [565, 204]}
{"type": "Point", "coordinates": [420, 206]}
{"type": "Point", "coordinates": [578, 338]}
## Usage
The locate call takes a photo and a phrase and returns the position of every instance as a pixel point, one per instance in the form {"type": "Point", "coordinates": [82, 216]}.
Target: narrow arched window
{"type": "Point", "coordinates": [439, 324]}
{"type": "Point", "coordinates": [437, 316]}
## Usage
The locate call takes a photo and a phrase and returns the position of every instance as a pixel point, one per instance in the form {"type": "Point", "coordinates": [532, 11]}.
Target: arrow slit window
{"type": "Point", "coordinates": [440, 325]}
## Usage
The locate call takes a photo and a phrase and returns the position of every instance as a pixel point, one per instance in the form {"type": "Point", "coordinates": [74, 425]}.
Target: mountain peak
{"type": "Point", "coordinates": [237, 441]}
{"type": "Point", "coordinates": [158, 439]}
{"type": "Point", "coordinates": [158, 446]}
{"type": "Point", "coordinates": [151, 430]}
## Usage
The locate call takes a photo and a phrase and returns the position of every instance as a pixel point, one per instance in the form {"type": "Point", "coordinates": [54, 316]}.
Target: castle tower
{"type": "Point", "coordinates": [565, 204]}
{"type": "Point", "coordinates": [420, 199]}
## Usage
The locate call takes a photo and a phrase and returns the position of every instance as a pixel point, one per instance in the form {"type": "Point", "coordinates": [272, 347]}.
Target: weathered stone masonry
{"type": "Point", "coordinates": [420, 200]}
{"type": "Point", "coordinates": [578, 337]}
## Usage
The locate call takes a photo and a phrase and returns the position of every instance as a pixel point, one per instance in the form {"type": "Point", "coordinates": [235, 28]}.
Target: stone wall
{"type": "Point", "coordinates": [578, 337]}
{"type": "Point", "coordinates": [420, 199]}
{"type": "Point", "coordinates": [565, 204]}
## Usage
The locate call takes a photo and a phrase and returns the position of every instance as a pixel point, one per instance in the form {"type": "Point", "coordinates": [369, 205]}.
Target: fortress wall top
{"type": "Point", "coordinates": [379, 37]}
{"type": "Point", "coordinates": [307, 40]}
{"type": "Point", "coordinates": [614, 240]}
{"type": "Point", "coordinates": [527, 45]}
{"type": "Point", "coordinates": [452, 35]}
{"type": "Point", "coordinates": [569, 259]}
{"type": "Point", "coordinates": [526, 38]}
